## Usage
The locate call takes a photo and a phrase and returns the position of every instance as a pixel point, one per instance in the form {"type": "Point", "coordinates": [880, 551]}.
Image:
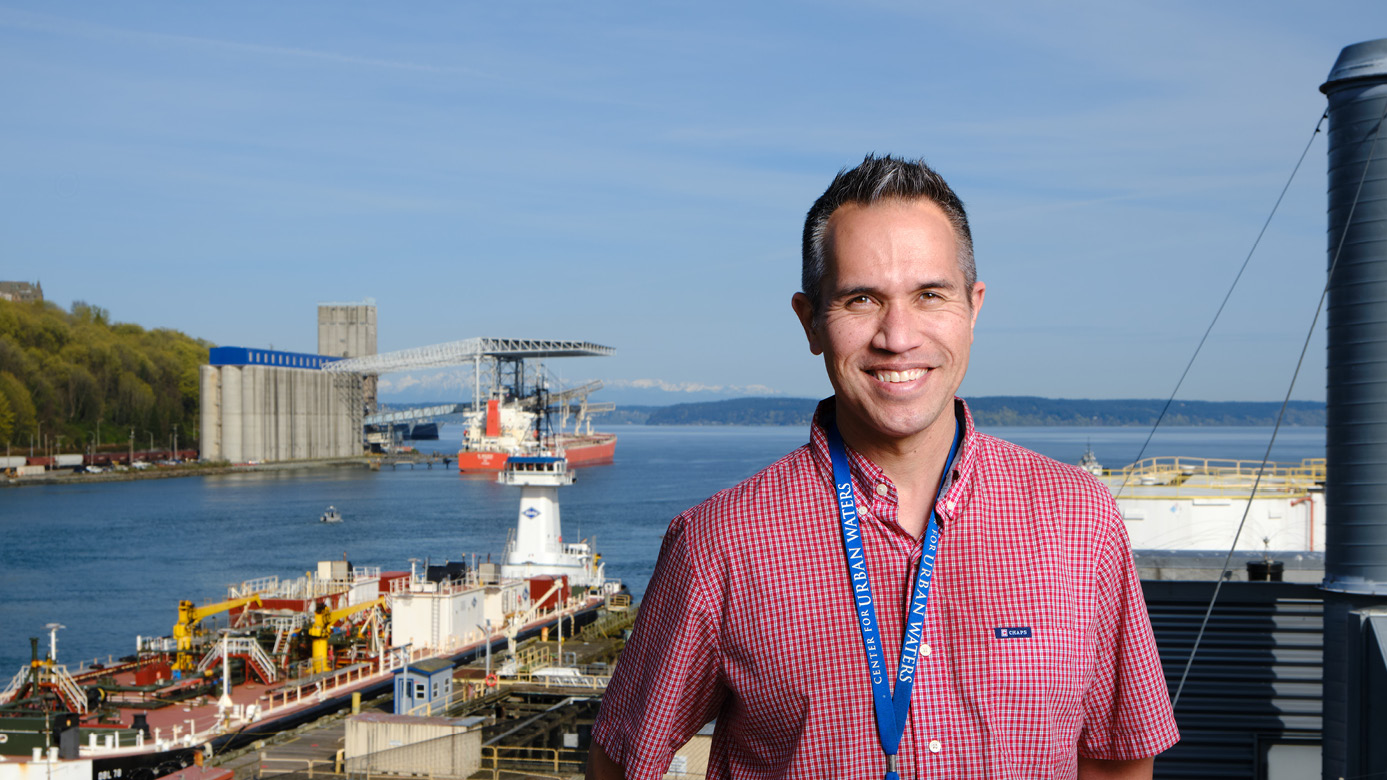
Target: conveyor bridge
{"type": "Point", "coordinates": [414, 414]}
{"type": "Point", "coordinates": [456, 353]}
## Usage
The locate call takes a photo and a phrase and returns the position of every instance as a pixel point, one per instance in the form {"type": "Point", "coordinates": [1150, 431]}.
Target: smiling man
{"type": "Point", "coordinates": [903, 596]}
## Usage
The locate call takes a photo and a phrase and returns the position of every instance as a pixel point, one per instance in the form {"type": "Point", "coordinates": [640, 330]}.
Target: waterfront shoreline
{"type": "Point", "coordinates": [170, 472]}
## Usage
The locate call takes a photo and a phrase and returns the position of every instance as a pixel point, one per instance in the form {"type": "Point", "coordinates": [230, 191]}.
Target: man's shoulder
{"type": "Point", "coordinates": [1068, 499]}
{"type": "Point", "coordinates": [783, 488]}
{"type": "Point", "coordinates": [1001, 460]}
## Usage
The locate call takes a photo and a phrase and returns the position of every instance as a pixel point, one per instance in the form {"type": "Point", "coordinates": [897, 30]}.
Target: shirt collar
{"type": "Point", "coordinates": [865, 472]}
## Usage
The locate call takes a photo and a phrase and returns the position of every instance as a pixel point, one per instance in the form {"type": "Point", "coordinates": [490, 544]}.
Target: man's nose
{"type": "Point", "coordinates": [898, 329]}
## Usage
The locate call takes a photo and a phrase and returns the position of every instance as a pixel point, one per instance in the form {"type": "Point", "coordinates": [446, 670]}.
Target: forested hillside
{"type": "Point", "coordinates": [63, 374]}
{"type": "Point", "coordinates": [1011, 410]}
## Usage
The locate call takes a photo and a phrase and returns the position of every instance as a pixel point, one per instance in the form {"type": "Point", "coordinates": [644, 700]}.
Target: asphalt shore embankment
{"type": "Point", "coordinates": [65, 477]}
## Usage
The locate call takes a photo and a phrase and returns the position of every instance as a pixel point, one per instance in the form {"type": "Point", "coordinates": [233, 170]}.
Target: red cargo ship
{"type": "Point", "coordinates": [504, 428]}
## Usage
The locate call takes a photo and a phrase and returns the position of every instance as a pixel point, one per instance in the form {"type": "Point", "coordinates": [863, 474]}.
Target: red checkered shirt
{"type": "Point", "coordinates": [750, 619]}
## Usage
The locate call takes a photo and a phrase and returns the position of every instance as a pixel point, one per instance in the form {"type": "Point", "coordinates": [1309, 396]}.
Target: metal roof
{"type": "Point", "coordinates": [455, 353]}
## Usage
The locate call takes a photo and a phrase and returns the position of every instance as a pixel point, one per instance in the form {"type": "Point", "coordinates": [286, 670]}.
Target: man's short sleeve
{"type": "Point", "coordinates": [1127, 712]}
{"type": "Point", "coordinates": [667, 683]}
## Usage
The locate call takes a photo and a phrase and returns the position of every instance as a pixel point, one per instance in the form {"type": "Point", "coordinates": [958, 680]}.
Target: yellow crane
{"type": "Point", "coordinates": [189, 615]}
{"type": "Point", "coordinates": [321, 629]}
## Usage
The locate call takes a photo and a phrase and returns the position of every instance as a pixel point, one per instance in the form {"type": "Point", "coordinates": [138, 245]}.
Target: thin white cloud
{"type": "Point", "coordinates": [437, 380]}
{"type": "Point", "coordinates": [689, 387]}
{"type": "Point", "coordinates": [63, 26]}
{"type": "Point", "coordinates": [460, 380]}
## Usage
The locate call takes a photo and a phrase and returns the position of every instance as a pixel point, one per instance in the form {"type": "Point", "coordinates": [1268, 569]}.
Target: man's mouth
{"type": "Point", "coordinates": [908, 375]}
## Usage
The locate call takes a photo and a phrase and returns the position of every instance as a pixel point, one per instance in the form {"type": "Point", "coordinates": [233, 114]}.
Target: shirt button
{"type": "Point", "coordinates": [924, 649]}
{"type": "Point", "coordinates": [934, 746]}
{"type": "Point", "coordinates": [949, 505]}
{"type": "Point", "coordinates": [882, 489]}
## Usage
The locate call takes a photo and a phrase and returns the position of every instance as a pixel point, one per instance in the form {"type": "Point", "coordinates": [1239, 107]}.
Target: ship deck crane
{"type": "Point", "coordinates": [323, 621]}
{"type": "Point", "coordinates": [517, 621]}
{"type": "Point", "coordinates": [189, 615]}
{"type": "Point", "coordinates": [559, 398]}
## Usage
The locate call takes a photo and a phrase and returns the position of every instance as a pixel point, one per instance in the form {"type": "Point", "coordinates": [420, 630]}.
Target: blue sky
{"type": "Point", "coordinates": [636, 175]}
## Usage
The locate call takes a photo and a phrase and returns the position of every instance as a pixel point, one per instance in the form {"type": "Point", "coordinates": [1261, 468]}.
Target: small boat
{"type": "Point", "coordinates": [331, 516]}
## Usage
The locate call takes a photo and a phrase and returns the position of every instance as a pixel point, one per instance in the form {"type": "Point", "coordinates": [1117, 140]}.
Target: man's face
{"type": "Point", "coordinates": [896, 325]}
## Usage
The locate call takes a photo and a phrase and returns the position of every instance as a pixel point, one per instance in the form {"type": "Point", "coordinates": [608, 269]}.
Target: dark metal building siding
{"type": "Point", "coordinates": [1256, 680]}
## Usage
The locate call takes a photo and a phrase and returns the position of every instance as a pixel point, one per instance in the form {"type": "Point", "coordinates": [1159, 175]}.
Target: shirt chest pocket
{"type": "Point", "coordinates": [1034, 667]}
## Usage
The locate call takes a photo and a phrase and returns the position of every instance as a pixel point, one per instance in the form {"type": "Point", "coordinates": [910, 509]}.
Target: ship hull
{"type": "Point", "coordinates": [153, 763]}
{"type": "Point", "coordinates": [579, 450]}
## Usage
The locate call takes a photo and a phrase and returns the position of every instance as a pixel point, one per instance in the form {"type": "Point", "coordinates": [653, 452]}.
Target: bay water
{"type": "Point", "coordinates": [110, 561]}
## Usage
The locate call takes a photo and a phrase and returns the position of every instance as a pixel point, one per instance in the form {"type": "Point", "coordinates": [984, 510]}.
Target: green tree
{"type": "Point", "coordinates": [70, 370]}
{"type": "Point", "coordinates": [21, 404]}
{"type": "Point", "coordinates": [6, 419]}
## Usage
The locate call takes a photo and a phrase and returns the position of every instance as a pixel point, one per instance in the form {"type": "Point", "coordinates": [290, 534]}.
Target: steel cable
{"type": "Point", "coordinates": [1329, 278]}
{"type": "Point", "coordinates": [1198, 348]}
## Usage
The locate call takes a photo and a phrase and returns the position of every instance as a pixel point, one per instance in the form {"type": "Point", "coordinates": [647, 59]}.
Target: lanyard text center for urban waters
{"type": "Point", "coordinates": [891, 712]}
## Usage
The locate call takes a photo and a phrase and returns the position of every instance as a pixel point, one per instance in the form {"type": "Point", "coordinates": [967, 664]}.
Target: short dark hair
{"type": "Point", "coordinates": [878, 179]}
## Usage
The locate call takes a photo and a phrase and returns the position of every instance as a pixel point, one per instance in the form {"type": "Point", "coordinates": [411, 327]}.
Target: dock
{"type": "Point", "coordinates": [536, 723]}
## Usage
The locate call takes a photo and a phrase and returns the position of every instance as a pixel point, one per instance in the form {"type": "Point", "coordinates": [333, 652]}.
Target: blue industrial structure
{"type": "Point", "coordinates": [246, 356]}
{"type": "Point", "coordinates": [423, 682]}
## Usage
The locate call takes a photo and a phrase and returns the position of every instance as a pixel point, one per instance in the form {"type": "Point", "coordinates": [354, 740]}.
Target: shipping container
{"type": "Point", "coordinates": [67, 461]}
{"type": "Point", "coordinates": [12, 462]}
{"type": "Point", "coordinates": [29, 471]}
{"type": "Point", "coordinates": [542, 585]}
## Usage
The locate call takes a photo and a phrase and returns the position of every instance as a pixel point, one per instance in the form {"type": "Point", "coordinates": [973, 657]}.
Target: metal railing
{"type": "Point", "coordinates": [619, 619]}
{"type": "Point", "coordinates": [563, 762]}
{"type": "Point", "coordinates": [585, 682]}
{"type": "Point", "coordinates": [246, 646]}
{"type": "Point", "coordinates": [15, 685]}
{"type": "Point", "coordinates": [247, 588]}
{"type": "Point", "coordinates": [317, 690]}
{"type": "Point", "coordinates": [1216, 478]}
{"type": "Point", "coordinates": [288, 622]}
{"type": "Point", "coordinates": [533, 657]}
{"type": "Point", "coordinates": [67, 687]}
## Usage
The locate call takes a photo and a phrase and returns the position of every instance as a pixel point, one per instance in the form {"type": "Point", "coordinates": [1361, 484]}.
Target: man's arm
{"type": "Point", "coordinates": [668, 682]}
{"type": "Point", "coordinates": [601, 767]}
{"type": "Point", "coordinates": [1089, 769]}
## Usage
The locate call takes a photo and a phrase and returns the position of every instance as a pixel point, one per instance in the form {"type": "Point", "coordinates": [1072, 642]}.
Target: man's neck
{"type": "Point", "coordinates": [914, 464]}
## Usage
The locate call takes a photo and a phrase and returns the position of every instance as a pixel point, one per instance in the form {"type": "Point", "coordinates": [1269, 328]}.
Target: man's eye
{"type": "Point", "coordinates": [859, 300]}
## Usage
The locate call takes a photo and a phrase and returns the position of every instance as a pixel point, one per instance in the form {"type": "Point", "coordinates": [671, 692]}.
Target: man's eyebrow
{"type": "Point", "coordinates": [937, 284]}
{"type": "Point", "coordinates": [851, 292]}
{"type": "Point", "coordinates": [864, 289]}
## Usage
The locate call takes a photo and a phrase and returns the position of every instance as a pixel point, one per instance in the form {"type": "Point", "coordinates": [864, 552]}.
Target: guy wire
{"type": "Point", "coordinates": [1226, 297]}
{"type": "Point", "coordinates": [1329, 278]}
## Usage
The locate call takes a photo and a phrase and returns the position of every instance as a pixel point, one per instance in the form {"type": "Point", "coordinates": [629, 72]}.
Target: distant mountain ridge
{"type": "Point", "coordinates": [1005, 410]}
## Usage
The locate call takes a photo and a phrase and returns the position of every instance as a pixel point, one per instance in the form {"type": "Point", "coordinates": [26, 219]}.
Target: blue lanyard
{"type": "Point", "coordinates": [891, 712]}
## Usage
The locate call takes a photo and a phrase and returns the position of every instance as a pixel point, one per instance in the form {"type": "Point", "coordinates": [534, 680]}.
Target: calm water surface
{"type": "Point", "coordinates": [111, 561]}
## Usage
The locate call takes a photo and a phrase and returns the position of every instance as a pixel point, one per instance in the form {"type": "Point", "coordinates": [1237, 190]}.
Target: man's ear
{"type": "Point", "coordinates": [804, 309]}
{"type": "Point", "coordinates": [979, 290]}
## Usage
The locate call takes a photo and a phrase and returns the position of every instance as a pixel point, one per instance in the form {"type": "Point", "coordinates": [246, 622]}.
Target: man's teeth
{"type": "Point", "coordinates": [908, 375]}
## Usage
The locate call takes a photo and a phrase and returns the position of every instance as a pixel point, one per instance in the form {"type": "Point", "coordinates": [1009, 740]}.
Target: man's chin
{"type": "Point", "coordinates": [890, 429]}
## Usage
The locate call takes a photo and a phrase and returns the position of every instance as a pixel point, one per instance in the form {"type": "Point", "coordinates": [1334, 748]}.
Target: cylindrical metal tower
{"type": "Point", "coordinates": [1356, 437]}
{"type": "Point", "coordinates": [210, 423]}
{"type": "Point", "coordinates": [1356, 390]}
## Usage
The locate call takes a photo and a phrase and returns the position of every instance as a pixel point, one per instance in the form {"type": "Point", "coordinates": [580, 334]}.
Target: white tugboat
{"type": "Point", "coordinates": [537, 547]}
